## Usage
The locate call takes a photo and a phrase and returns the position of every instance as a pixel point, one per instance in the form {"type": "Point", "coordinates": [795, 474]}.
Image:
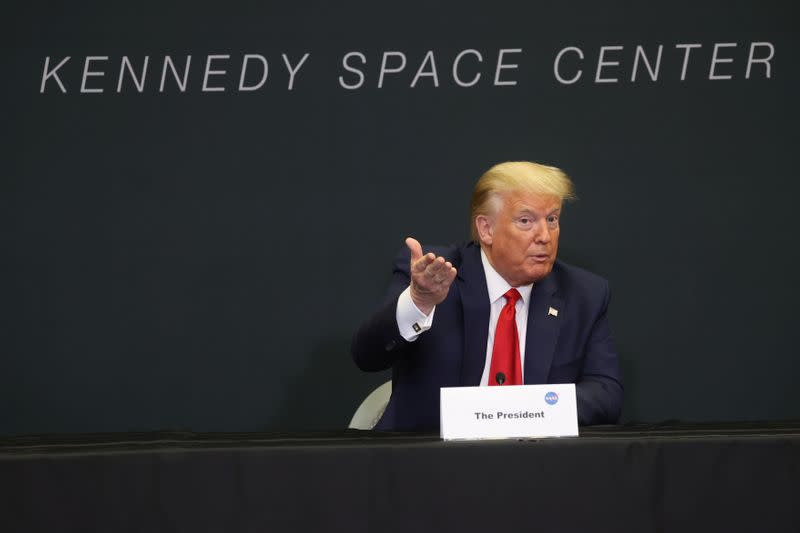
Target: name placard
{"type": "Point", "coordinates": [509, 411]}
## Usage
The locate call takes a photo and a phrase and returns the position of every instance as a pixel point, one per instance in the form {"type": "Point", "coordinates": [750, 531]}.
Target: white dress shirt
{"type": "Point", "coordinates": [412, 322]}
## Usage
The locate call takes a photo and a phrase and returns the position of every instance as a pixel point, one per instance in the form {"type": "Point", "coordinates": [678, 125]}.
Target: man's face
{"type": "Point", "coordinates": [521, 240]}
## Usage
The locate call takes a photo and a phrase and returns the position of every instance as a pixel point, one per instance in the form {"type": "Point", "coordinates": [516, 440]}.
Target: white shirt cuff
{"type": "Point", "coordinates": [410, 320]}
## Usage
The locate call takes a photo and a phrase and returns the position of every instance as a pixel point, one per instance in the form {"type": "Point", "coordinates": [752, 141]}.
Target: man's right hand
{"type": "Point", "coordinates": [431, 277]}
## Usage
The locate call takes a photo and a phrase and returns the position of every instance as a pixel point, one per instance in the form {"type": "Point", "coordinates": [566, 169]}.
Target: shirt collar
{"type": "Point", "coordinates": [497, 286]}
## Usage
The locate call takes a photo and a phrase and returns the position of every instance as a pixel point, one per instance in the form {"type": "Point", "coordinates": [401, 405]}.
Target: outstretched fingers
{"type": "Point", "coordinates": [419, 262]}
{"type": "Point", "coordinates": [431, 276]}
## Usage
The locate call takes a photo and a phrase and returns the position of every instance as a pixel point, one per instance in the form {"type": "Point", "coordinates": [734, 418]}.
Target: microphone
{"type": "Point", "coordinates": [500, 378]}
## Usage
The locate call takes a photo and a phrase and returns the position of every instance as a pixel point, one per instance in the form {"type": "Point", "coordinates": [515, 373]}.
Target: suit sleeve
{"type": "Point", "coordinates": [599, 391]}
{"type": "Point", "coordinates": [377, 343]}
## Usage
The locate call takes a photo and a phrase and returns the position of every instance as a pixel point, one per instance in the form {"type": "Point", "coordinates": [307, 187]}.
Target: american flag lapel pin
{"type": "Point", "coordinates": [552, 312]}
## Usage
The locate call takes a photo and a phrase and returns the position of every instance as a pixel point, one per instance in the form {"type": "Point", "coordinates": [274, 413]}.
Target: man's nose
{"type": "Point", "coordinates": [542, 235]}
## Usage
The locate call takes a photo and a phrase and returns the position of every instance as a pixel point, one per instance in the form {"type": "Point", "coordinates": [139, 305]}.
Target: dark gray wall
{"type": "Point", "coordinates": [199, 260]}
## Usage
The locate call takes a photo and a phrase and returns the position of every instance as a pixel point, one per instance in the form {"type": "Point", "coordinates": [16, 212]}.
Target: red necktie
{"type": "Point", "coordinates": [505, 353]}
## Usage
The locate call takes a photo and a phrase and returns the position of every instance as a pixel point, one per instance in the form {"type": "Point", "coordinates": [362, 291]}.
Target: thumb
{"type": "Point", "coordinates": [415, 247]}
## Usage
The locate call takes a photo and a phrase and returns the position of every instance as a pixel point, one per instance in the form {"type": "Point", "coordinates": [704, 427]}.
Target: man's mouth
{"type": "Point", "coordinates": [540, 258]}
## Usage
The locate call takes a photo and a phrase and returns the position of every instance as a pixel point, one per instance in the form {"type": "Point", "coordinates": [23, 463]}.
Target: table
{"type": "Point", "coordinates": [657, 477]}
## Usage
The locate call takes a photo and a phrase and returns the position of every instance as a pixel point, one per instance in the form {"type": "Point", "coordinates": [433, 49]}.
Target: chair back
{"type": "Point", "coordinates": [372, 408]}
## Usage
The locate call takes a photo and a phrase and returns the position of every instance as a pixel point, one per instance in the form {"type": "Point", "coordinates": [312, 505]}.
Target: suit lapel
{"type": "Point", "coordinates": [543, 328]}
{"type": "Point", "coordinates": [471, 282]}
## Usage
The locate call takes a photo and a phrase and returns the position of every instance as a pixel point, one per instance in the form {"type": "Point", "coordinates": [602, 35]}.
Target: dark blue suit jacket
{"type": "Point", "coordinates": [573, 347]}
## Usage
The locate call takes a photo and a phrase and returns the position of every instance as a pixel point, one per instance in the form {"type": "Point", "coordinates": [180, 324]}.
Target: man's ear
{"type": "Point", "coordinates": [484, 224]}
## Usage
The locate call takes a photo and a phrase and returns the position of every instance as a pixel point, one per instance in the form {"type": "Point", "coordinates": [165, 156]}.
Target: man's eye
{"type": "Point", "coordinates": [552, 221]}
{"type": "Point", "coordinates": [524, 221]}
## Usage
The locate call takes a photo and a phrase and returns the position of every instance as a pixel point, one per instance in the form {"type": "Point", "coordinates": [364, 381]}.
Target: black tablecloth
{"type": "Point", "coordinates": [666, 477]}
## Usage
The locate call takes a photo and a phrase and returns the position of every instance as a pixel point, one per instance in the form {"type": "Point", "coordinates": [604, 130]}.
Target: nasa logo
{"type": "Point", "coordinates": [551, 398]}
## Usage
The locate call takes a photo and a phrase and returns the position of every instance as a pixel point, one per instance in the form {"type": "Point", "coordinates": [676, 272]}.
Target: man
{"type": "Point", "coordinates": [500, 309]}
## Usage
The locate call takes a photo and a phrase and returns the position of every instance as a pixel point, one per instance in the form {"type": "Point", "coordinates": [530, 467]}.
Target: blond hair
{"type": "Point", "coordinates": [516, 176]}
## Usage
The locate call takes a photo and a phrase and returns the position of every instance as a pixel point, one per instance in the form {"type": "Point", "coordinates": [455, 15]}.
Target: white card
{"type": "Point", "coordinates": [509, 411]}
